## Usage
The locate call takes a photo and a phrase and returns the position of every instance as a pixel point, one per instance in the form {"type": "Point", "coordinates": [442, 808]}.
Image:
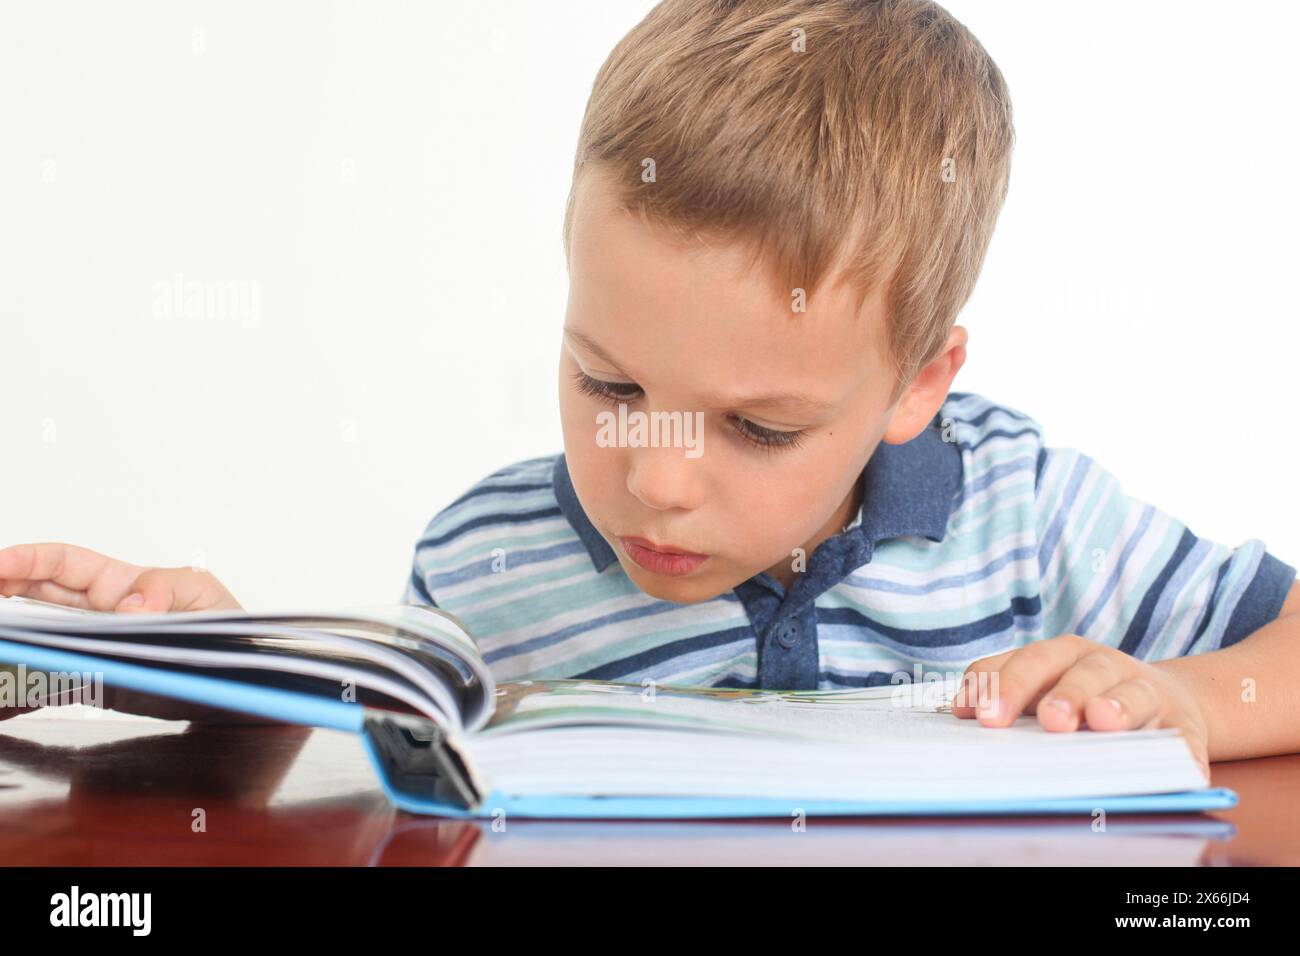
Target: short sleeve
{"type": "Point", "coordinates": [1121, 572]}
{"type": "Point", "coordinates": [417, 589]}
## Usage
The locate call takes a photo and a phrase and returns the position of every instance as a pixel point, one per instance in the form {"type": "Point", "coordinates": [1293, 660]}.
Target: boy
{"type": "Point", "coordinates": [776, 214]}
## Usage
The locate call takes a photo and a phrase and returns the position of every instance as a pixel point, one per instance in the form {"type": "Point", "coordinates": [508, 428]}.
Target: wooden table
{"type": "Point", "coordinates": [134, 792]}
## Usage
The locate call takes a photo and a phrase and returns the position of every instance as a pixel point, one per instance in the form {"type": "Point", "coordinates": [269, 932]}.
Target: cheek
{"type": "Point", "coordinates": [578, 424]}
{"type": "Point", "coordinates": [773, 507]}
{"type": "Point", "coordinates": [796, 502]}
{"type": "Point", "coordinates": [793, 505]}
{"type": "Point", "coordinates": [598, 474]}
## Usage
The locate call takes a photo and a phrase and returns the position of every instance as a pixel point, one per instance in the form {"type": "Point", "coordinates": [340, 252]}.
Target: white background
{"type": "Point", "coordinates": [390, 179]}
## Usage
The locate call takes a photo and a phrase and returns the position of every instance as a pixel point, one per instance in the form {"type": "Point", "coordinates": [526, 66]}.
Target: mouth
{"type": "Point", "coordinates": [661, 558]}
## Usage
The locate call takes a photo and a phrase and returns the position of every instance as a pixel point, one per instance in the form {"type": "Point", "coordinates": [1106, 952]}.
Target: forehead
{"type": "Point", "coordinates": [668, 310]}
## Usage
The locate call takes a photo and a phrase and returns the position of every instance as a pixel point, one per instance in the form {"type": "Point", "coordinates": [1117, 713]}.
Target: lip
{"type": "Point", "coordinates": [661, 558]}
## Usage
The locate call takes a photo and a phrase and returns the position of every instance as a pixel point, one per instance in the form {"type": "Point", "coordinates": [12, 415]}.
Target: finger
{"type": "Point", "coordinates": [152, 592]}
{"type": "Point", "coordinates": [971, 696]}
{"type": "Point", "coordinates": [159, 590]}
{"type": "Point", "coordinates": [1024, 677]}
{"type": "Point", "coordinates": [66, 564]}
{"type": "Point", "coordinates": [46, 591]}
{"type": "Point", "coordinates": [1129, 705]}
{"type": "Point", "coordinates": [102, 579]}
{"type": "Point", "coordinates": [1065, 706]}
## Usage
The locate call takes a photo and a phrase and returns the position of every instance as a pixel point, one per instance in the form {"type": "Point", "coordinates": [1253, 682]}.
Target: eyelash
{"type": "Point", "coordinates": [764, 438]}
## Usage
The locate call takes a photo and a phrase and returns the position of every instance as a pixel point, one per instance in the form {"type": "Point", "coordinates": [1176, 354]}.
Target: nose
{"type": "Point", "coordinates": [665, 478]}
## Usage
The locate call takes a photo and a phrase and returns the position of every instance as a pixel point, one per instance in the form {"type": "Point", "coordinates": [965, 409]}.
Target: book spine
{"type": "Point", "coordinates": [419, 761]}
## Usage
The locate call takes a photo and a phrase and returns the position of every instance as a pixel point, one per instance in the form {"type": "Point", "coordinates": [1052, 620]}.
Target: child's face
{"type": "Point", "coordinates": [677, 329]}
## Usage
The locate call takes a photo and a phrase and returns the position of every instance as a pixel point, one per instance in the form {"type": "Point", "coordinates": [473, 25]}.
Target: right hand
{"type": "Point", "coordinates": [77, 577]}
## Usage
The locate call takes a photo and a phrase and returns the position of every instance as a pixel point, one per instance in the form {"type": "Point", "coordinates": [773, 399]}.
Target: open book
{"type": "Point", "coordinates": [445, 739]}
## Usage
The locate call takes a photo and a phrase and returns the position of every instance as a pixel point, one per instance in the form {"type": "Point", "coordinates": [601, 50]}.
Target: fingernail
{"type": "Point", "coordinates": [1059, 703]}
{"type": "Point", "coordinates": [1119, 708]}
{"type": "Point", "coordinates": [135, 600]}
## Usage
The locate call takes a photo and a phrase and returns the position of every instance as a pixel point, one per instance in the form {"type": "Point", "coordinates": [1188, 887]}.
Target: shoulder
{"type": "Point", "coordinates": [979, 421]}
{"type": "Point", "coordinates": [1007, 459]}
{"type": "Point", "coordinates": [995, 440]}
{"type": "Point", "coordinates": [500, 505]}
{"type": "Point", "coordinates": [507, 517]}
{"type": "Point", "coordinates": [505, 559]}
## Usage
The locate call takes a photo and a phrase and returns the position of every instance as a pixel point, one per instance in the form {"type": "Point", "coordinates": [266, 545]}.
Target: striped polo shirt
{"type": "Point", "coordinates": [973, 538]}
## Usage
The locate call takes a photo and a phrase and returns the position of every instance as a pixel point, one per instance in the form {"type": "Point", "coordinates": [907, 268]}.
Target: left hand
{"type": "Point", "coordinates": [1069, 681]}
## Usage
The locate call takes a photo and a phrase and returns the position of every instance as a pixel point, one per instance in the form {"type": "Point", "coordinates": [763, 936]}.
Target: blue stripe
{"type": "Point", "coordinates": [504, 518]}
{"type": "Point", "coordinates": [418, 586]}
{"type": "Point", "coordinates": [520, 557]}
{"type": "Point", "coordinates": [936, 636]}
{"type": "Point", "coordinates": [1112, 582]}
{"type": "Point", "coordinates": [983, 416]}
{"type": "Point", "coordinates": [942, 584]}
{"type": "Point", "coordinates": [479, 491]}
{"type": "Point", "coordinates": [1047, 547]}
{"type": "Point", "coordinates": [1138, 626]}
{"type": "Point", "coordinates": [667, 653]}
{"type": "Point", "coordinates": [998, 471]}
{"type": "Point", "coordinates": [1211, 605]}
{"type": "Point", "coordinates": [987, 437]}
{"type": "Point", "coordinates": [564, 633]}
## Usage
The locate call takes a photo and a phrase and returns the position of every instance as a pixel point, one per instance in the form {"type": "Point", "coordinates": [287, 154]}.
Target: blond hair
{"type": "Point", "coordinates": [864, 139]}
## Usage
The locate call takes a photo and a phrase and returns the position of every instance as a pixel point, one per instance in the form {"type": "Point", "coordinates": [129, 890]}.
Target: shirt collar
{"type": "Point", "coordinates": [908, 489]}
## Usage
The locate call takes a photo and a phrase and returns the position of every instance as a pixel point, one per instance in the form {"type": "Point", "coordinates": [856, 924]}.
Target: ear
{"type": "Point", "coordinates": [923, 395]}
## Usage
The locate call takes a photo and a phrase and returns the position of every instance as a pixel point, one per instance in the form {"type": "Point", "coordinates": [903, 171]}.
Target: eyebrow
{"type": "Point", "coordinates": [763, 400]}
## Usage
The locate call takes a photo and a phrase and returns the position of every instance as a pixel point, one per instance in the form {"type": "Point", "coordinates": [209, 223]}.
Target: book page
{"type": "Point", "coordinates": [899, 713]}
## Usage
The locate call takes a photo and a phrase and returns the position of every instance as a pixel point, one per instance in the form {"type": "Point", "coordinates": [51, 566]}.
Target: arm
{"type": "Point", "coordinates": [1249, 692]}
{"type": "Point", "coordinates": [1145, 625]}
